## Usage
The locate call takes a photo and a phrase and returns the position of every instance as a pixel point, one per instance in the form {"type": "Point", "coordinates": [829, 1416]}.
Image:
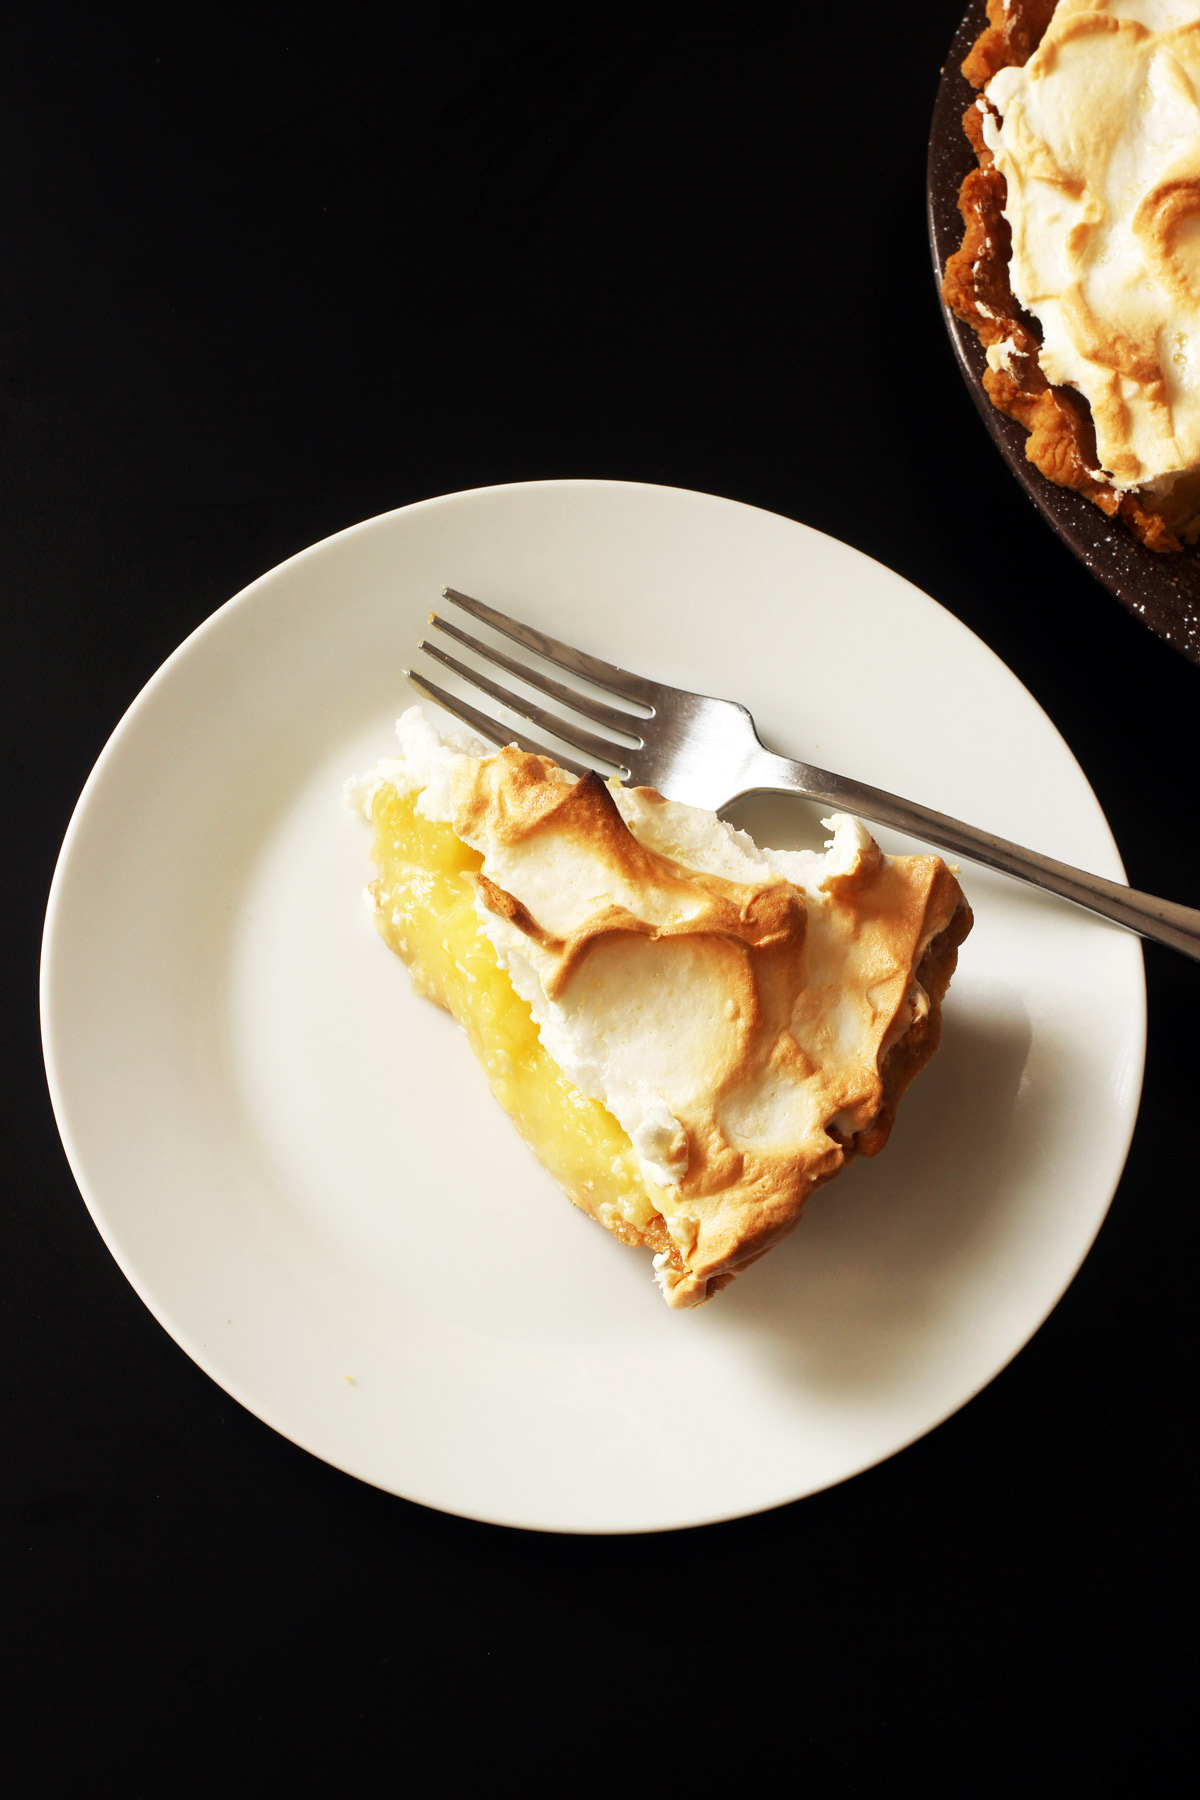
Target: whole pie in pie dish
{"type": "Point", "coordinates": [692, 1033]}
{"type": "Point", "coordinates": [1080, 262]}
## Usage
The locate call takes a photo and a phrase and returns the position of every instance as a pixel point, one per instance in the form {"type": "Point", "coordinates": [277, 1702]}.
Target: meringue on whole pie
{"type": "Point", "coordinates": [1080, 263]}
{"type": "Point", "coordinates": [692, 1033]}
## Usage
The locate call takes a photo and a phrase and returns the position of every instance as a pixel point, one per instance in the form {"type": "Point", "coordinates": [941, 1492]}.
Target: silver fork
{"type": "Point", "coordinates": [707, 752]}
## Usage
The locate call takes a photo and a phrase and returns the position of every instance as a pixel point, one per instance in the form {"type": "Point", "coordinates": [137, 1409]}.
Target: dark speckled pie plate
{"type": "Point", "coordinates": [1163, 591]}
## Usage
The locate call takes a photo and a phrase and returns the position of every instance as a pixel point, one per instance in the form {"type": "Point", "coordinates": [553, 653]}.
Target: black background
{"type": "Point", "coordinates": [264, 275]}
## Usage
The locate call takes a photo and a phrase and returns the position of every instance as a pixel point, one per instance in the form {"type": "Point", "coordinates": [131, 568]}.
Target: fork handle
{"type": "Point", "coordinates": [1164, 921]}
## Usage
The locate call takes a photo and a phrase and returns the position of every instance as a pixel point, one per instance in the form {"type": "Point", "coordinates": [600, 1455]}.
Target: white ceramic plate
{"type": "Point", "coordinates": [296, 1161]}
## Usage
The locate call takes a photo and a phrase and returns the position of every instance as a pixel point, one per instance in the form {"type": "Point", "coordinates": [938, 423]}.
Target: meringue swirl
{"type": "Point", "coordinates": [1098, 139]}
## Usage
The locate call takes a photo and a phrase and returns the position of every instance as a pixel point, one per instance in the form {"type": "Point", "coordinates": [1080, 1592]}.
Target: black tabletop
{"type": "Point", "coordinates": [267, 274]}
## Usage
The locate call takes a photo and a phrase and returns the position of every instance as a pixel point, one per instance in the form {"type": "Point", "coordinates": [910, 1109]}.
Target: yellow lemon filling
{"type": "Point", "coordinates": [424, 905]}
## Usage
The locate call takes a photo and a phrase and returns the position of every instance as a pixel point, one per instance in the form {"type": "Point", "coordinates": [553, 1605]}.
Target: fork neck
{"type": "Point", "coordinates": [764, 772]}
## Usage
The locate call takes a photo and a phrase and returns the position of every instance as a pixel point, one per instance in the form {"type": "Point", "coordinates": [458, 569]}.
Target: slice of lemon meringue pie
{"type": "Point", "coordinates": [692, 1033]}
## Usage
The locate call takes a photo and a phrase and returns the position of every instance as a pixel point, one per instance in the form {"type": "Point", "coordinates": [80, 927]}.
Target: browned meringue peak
{"type": "Point", "coordinates": [1098, 139]}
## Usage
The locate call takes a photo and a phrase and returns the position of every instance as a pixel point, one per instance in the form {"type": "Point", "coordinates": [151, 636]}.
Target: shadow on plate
{"type": "Point", "coordinates": [847, 1301]}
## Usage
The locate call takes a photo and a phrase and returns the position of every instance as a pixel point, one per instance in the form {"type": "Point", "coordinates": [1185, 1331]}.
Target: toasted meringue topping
{"type": "Point", "coordinates": [1098, 139]}
{"type": "Point", "coordinates": [732, 1007]}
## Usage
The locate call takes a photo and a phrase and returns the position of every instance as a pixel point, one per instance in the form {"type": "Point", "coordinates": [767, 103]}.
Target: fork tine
{"type": "Point", "coordinates": [572, 734]}
{"type": "Point", "coordinates": [490, 729]}
{"type": "Point", "coordinates": [595, 710]}
{"type": "Point", "coordinates": [606, 675]}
